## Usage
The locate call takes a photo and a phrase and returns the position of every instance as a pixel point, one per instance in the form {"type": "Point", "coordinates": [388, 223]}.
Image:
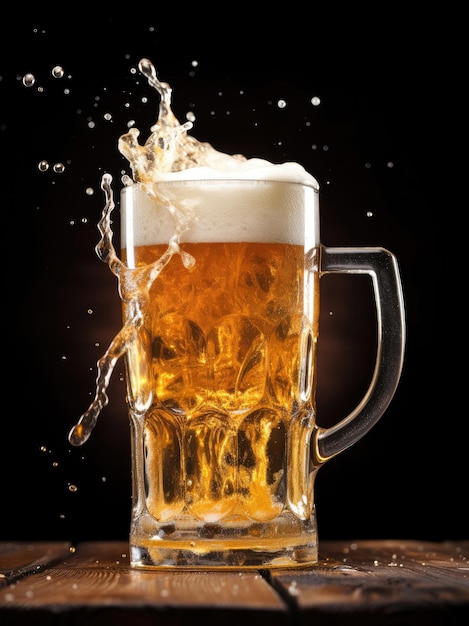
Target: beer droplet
{"type": "Point", "coordinates": [29, 80]}
{"type": "Point", "coordinates": [293, 589]}
{"type": "Point", "coordinates": [57, 71]}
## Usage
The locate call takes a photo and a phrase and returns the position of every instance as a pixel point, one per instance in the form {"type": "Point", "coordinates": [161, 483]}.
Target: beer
{"type": "Point", "coordinates": [223, 365]}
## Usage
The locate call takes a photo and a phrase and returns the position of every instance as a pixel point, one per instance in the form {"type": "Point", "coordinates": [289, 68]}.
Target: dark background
{"type": "Point", "coordinates": [379, 143]}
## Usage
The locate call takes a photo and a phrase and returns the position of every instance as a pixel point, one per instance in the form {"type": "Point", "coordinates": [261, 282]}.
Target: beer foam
{"type": "Point", "coordinates": [220, 209]}
{"type": "Point", "coordinates": [251, 169]}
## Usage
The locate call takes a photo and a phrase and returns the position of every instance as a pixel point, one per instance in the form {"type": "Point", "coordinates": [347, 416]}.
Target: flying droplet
{"type": "Point", "coordinates": [29, 80]}
{"type": "Point", "coordinates": [57, 71]}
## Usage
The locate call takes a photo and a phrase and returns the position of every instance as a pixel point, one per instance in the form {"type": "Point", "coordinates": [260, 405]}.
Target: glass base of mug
{"type": "Point", "coordinates": [285, 542]}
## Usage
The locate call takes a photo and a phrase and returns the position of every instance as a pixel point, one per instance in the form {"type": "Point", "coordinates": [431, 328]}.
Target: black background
{"type": "Point", "coordinates": [379, 143]}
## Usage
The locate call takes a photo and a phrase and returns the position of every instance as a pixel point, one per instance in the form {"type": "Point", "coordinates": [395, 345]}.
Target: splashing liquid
{"type": "Point", "coordinates": [168, 153]}
{"type": "Point", "coordinates": [157, 155]}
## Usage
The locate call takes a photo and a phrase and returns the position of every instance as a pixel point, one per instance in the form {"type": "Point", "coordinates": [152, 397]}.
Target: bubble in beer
{"type": "Point", "coordinates": [315, 101]}
{"type": "Point", "coordinates": [59, 168]}
{"type": "Point", "coordinates": [43, 166]}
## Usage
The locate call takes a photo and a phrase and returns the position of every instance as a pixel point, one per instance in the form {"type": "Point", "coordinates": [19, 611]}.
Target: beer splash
{"type": "Point", "coordinates": [168, 149]}
{"type": "Point", "coordinates": [169, 153]}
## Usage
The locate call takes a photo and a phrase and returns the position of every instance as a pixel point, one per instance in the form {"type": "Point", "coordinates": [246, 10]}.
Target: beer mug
{"type": "Point", "coordinates": [222, 369]}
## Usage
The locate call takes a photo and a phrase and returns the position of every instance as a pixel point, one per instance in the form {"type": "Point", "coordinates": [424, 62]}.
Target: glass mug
{"type": "Point", "coordinates": [222, 370]}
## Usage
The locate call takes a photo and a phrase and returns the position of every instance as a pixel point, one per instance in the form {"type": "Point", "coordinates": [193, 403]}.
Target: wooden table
{"type": "Point", "coordinates": [363, 582]}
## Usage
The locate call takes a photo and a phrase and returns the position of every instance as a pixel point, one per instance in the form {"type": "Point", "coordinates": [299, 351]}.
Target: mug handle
{"type": "Point", "coordinates": [382, 267]}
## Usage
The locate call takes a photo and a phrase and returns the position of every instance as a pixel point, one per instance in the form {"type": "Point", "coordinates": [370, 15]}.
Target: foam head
{"type": "Point", "coordinates": [256, 201]}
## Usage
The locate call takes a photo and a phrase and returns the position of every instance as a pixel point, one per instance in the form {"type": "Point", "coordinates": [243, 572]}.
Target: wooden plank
{"type": "Point", "coordinates": [365, 582]}
{"type": "Point", "coordinates": [18, 559]}
{"type": "Point", "coordinates": [97, 583]}
{"type": "Point", "coordinates": [378, 582]}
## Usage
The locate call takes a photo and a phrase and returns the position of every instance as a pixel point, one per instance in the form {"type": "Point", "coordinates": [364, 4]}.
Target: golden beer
{"type": "Point", "coordinates": [221, 381]}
